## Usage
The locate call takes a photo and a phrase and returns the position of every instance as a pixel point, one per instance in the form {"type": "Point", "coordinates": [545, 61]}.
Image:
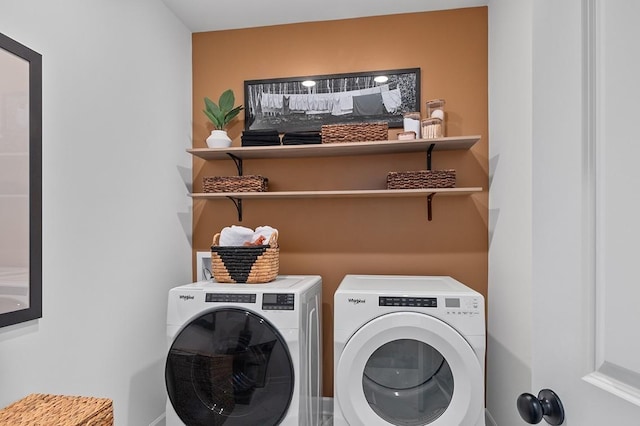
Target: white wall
{"type": "Point", "coordinates": [116, 215]}
{"type": "Point", "coordinates": [510, 208]}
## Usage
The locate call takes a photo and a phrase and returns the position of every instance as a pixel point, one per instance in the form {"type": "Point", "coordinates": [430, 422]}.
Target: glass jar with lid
{"type": "Point", "coordinates": [432, 128]}
{"type": "Point", "coordinates": [435, 109]}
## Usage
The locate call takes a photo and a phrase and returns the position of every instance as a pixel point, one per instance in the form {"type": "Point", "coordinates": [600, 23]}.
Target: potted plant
{"type": "Point", "coordinates": [220, 115]}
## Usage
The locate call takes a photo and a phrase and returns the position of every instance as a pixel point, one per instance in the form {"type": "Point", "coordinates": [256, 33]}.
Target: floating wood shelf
{"type": "Point", "coordinates": [336, 149]}
{"type": "Point", "coordinates": [238, 154]}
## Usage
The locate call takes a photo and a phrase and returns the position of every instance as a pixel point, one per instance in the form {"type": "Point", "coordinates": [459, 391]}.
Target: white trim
{"type": "Point", "coordinates": [604, 375]}
{"type": "Point", "coordinates": [160, 420]}
{"type": "Point", "coordinates": [327, 411]}
{"type": "Point", "coordinates": [589, 192]}
{"type": "Point", "coordinates": [613, 386]}
{"type": "Point", "coordinates": [488, 418]}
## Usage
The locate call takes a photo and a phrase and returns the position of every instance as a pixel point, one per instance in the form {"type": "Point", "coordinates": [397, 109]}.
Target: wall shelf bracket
{"type": "Point", "coordinates": [238, 162]}
{"type": "Point", "coordinates": [238, 203]}
{"type": "Point", "coordinates": [429, 206]}
{"type": "Point", "coordinates": [429, 150]}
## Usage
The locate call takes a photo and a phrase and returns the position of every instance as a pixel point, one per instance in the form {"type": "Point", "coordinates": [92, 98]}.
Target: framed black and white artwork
{"type": "Point", "coordinates": [306, 103]}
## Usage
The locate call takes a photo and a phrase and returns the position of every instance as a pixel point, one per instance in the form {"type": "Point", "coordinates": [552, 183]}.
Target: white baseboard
{"type": "Point", "coordinates": [160, 421]}
{"type": "Point", "coordinates": [327, 406]}
{"type": "Point", "coordinates": [488, 419]}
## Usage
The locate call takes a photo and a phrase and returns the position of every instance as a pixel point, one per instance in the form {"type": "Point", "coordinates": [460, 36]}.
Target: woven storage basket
{"type": "Point", "coordinates": [57, 410]}
{"type": "Point", "coordinates": [356, 132]}
{"type": "Point", "coordinates": [249, 183]}
{"type": "Point", "coordinates": [422, 179]}
{"type": "Point", "coordinates": [245, 264]}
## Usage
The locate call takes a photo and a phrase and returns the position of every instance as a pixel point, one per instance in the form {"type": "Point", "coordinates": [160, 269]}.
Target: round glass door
{"type": "Point", "coordinates": [408, 369]}
{"type": "Point", "coordinates": [231, 367]}
{"type": "Point", "coordinates": [407, 382]}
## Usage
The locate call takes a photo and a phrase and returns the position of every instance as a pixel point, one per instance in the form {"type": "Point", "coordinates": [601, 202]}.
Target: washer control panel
{"type": "Point", "coordinates": [462, 306]}
{"type": "Point", "coordinates": [419, 302]}
{"type": "Point", "coordinates": [278, 301]}
{"type": "Point", "coordinates": [230, 298]}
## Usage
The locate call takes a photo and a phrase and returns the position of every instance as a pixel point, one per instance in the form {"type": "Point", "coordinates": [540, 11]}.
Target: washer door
{"type": "Point", "coordinates": [409, 369]}
{"type": "Point", "coordinates": [232, 367]}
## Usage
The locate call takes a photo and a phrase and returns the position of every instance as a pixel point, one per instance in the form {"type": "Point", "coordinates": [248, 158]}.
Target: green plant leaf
{"type": "Point", "coordinates": [222, 113]}
{"type": "Point", "coordinates": [227, 99]}
{"type": "Point", "coordinates": [214, 113]}
{"type": "Point", "coordinates": [232, 114]}
{"type": "Point", "coordinates": [216, 122]}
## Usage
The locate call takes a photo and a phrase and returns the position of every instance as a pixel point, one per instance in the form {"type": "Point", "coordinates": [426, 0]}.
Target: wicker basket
{"type": "Point", "coordinates": [422, 179]}
{"type": "Point", "coordinates": [357, 132]}
{"type": "Point", "coordinates": [57, 410]}
{"type": "Point", "coordinates": [245, 264]}
{"type": "Point", "coordinates": [247, 183]}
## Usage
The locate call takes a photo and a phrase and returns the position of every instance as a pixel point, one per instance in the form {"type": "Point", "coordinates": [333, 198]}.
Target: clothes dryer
{"type": "Point", "coordinates": [245, 354]}
{"type": "Point", "coordinates": [408, 350]}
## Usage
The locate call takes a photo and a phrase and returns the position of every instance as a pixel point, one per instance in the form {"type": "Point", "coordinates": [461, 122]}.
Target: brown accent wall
{"type": "Point", "coordinates": [334, 237]}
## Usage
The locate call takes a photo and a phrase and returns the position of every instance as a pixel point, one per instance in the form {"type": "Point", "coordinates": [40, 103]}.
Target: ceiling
{"type": "Point", "coordinates": [213, 15]}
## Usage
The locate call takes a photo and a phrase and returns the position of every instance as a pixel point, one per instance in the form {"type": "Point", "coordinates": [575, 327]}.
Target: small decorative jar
{"type": "Point", "coordinates": [406, 136]}
{"type": "Point", "coordinates": [432, 128]}
{"type": "Point", "coordinates": [411, 123]}
{"type": "Point", "coordinates": [435, 109]}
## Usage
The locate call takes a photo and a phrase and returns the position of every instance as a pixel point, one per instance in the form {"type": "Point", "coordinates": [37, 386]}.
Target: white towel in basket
{"type": "Point", "coordinates": [265, 231]}
{"type": "Point", "coordinates": [235, 235]}
{"type": "Point", "coordinates": [239, 235]}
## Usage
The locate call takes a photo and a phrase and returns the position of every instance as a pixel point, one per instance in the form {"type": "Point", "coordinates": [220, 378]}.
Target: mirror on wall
{"type": "Point", "coordinates": [20, 183]}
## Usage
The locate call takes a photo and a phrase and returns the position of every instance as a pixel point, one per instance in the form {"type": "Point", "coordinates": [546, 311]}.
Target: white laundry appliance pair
{"type": "Point", "coordinates": [408, 350]}
{"type": "Point", "coordinates": [245, 354]}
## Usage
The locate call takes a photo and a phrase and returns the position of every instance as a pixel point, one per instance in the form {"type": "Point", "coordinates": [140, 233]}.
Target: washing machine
{"type": "Point", "coordinates": [408, 350]}
{"type": "Point", "coordinates": [245, 354]}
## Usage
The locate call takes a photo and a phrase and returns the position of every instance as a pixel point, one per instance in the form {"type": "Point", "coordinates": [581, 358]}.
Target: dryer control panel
{"type": "Point", "coordinates": [231, 298]}
{"type": "Point", "coordinates": [420, 302]}
{"type": "Point", "coordinates": [278, 301]}
{"type": "Point", "coordinates": [462, 305]}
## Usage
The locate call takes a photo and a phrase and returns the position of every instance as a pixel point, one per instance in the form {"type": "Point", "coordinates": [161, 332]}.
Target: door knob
{"type": "Point", "coordinates": [547, 405]}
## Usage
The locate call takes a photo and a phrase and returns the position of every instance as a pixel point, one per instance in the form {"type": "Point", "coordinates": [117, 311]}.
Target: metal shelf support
{"type": "Point", "coordinates": [429, 150]}
{"type": "Point", "coordinates": [238, 203]}
{"type": "Point", "coordinates": [429, 206]}
{"type": "Point", "coordinates": [238, 162]}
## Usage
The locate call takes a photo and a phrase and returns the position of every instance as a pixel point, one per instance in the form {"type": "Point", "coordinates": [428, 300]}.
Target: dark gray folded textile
{"type": "Point", "coordinates": [263, 132]}
{"type": "Point", "coordinates": [260, 138]}
{"type": "Point", "coordinates": [260, 143]}
{"type": "Point", "coordinates": [300, 142]}
{"type": "Point", "coordinates": [300, 138]}
{"type": "Point", "coordinates": [368, 104]}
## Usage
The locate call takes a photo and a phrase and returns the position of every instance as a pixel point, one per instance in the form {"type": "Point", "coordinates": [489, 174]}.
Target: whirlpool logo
{"type": "Point", "coordinates": [356, 301]}
{"type": "Point", "coordinates": [186, 297]}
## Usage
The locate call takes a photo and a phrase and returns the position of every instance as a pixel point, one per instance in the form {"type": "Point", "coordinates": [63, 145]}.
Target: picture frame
{"type": "Point", "coordinates": [203, 266]}
{"type": "Point", "coordinates": [300, 104]}
{"type": "Point", "coordinates": [20, 183]}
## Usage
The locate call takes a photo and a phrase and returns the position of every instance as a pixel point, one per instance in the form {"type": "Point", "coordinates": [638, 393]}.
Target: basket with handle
{"type": "Point", "coordinates": [245, 264]}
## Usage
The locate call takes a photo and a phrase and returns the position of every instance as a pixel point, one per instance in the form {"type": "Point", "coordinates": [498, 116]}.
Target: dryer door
{"type": "Point", "coordinates": [232, 367]}
{"type": "Point", "coordinates": [410, 369]}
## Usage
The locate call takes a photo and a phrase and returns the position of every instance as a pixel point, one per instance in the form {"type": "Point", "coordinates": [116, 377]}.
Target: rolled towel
{"type": "Point", "coordinates": [235, 235]}
{"type": "Point", "coordinates": [264, 231]}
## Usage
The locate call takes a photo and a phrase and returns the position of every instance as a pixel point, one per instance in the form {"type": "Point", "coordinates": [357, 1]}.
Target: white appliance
{"type": "Point", "coordinates": [245, 354]}
{"type": "Point", "coordinates": [408, 350]}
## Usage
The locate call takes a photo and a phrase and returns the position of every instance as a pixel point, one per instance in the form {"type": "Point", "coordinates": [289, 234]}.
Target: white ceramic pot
{"type": "Point", "coordinates": [218, 139]}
